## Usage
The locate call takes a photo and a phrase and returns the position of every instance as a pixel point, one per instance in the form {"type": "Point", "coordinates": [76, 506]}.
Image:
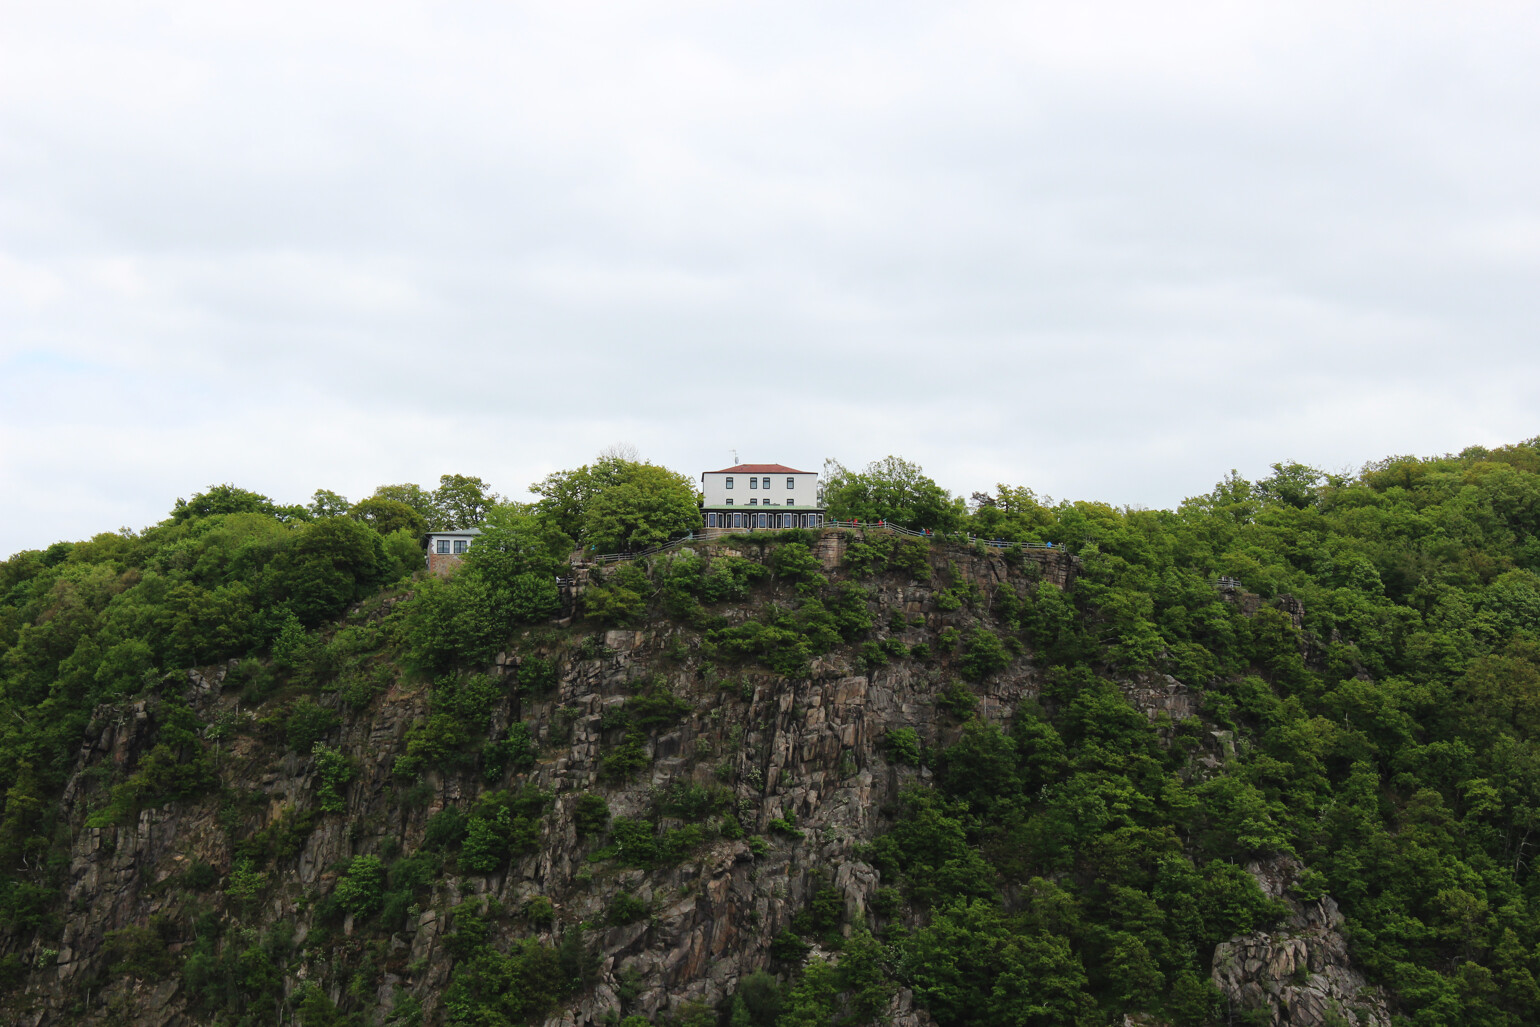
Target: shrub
{"type": "Point", "coordinates": [435, 741]}
{"type": "Point", "coordinates": [445, 829]}
{"type": "Point", "coordinates": [515, 753]}
{"type": "Point", "coordinates": [308, 723]}
{"type": "Point", "coordinates": [625, 759]}
{"type": "Point", "coordinates": [362, 887]}
{"type": "Point", "coordinates": [335, 771]}
{"type": "Point", "coordinates": [539, 911]}
{"type": "Point", "coordinates": [902, 745]}
{"type": "Point", "coordinates": [958, 700]}
{"type": "Point", "coordinates": [503, 825]}
{"type": "Point", "coordinates": [139, 950]}
{"type": "Point", "coordinates": [625, 908]}
{"type": "Point", "coordinates": [983, 655]}
{"type": "Point", "coordinates": [591, 814]}
{"type": "Point", "coordinates": [536, 674]}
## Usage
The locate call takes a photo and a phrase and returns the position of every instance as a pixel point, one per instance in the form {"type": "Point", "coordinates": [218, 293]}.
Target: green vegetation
{"type": "Point", "coordinates": [1361, 655]}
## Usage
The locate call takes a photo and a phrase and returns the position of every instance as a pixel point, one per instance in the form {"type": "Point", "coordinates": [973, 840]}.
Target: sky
{"type": "Point", "coordinates": [1105, 251]}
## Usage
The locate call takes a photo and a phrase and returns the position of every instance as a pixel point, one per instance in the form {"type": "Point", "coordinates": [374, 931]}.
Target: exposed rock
{"type": "Point", "coordinates": [1301, 974]}
{"type": "Point", "coordinates": [791, 751]}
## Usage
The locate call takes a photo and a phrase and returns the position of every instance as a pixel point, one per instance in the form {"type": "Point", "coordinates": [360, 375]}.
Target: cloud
{"type": "Point", "coordinates": [1105, 250]}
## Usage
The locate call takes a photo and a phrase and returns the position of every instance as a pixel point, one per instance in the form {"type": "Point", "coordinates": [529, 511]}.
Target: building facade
{"type": "Point", "coordinates": [760, 496]}
{"type": "Point", "coordinates": [446, 548]}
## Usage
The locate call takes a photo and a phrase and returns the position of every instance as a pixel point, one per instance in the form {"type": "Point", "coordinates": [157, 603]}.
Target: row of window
{"type": "Point", "coordinates": [754, 483]}
{"type": "Point", "coordinates": [764, 520]}
{"type": "Point", "coordinates": [460, 546]}
{"type": "Point", "coordinates": [755, 502]}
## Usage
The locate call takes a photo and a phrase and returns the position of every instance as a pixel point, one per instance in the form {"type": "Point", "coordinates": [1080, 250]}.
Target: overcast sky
{"type": "Point", "coordinates": [1107, 251]}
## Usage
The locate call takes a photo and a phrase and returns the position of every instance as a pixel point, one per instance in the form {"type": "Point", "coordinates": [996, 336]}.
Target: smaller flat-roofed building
{"type": "Point", "coordinates": [760, 496]}
{"type": "Point", "coordinates": [447, 547]}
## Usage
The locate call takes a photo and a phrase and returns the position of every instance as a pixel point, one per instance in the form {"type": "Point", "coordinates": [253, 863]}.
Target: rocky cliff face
{"type": "Point", "coordinates": [797, 768]}
{"type": "Point", "coordinates": [1299, 975]}
{"type": "Point", "coordinates": [800, 757]}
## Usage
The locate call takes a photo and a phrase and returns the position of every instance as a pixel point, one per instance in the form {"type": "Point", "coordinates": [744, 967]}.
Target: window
{"type": "Point", "coordinates": [767, 483]}
{"type": "Point", "coordinates": [762, 520]}
{"type": "Point", "coordinates": [460, 546]}
{"type": "Point", "coordinates": [711, 520]}
{"type": "Point", "coordinates": [443, 547]}
{"type": "Point", "coordinates": [729, 502]}
{"type": "Point", "coordinates": [729, 483]}
{"type": "Point", "coordinates": [753, 502]}
{"type": "Point", "coordinates": [791, 483]}
{"type": "Point", "coordinates": [753, 483]}
{"type": "Point", "coordinates": [737, 520]}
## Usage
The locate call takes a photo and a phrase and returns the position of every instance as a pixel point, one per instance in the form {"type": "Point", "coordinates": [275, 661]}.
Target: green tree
{"type": "Point", "coordinates": [326, 503]}
{"type": "Point", "coordinates": [220, 499]}
{"type": "Point", "coordinates": [389, 515]}
{"type": "Point", "coordinates": [619, 504]}
{"type": "Point", "coordinates": [891, 489]}
{"type": "Point", "coordinates": [414, 496]}
{"type": "Point", "coordinates": [461, 501]}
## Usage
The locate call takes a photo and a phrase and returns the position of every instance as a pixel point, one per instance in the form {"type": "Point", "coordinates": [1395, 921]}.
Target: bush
{"type": "Point", "coordinates": [503, 825]}
{"type": "Point", "coordinates": [515, 753]}
{"type": "Point", "coordinates": [902, 745]}
{"type": "Point", "coordinates": [591, 814]}
{"type": "Point", "coordinates": [983, 655]}
{"type": "Point", "coordinates": [958, 700]}
{"type": "Point", "coordinates": [335, 771]}
{"type": "Point", "coordinates": [362, 887]}
{"type": "Point", "coordinates": [308, 723]}
{"type": "Point", "coordinates": [539, 911]}
{"type": "Point", "coordinates": [445, 829]}
{"type": "Point", "coordinates": [625, 908]}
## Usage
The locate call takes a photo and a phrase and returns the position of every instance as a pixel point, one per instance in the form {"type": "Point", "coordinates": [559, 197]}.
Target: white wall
{"type": "Point", "coordinates": [804, 494]}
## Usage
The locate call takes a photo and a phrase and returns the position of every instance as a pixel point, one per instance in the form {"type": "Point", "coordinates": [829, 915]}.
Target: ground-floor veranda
{"type": "Point", "coordinates": [764, 519]}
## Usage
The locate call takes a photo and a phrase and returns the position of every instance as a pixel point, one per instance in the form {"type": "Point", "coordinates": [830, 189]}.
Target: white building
{"type": "Point", "coordinates": [445, 548]}
{"type": "Point", "coordinates": [738, 497]}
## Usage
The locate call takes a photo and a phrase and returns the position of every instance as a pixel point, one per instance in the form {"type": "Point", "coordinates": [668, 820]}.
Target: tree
{"type": "Point", "coordinates": [461, 501]}
{"type": "Point", "coordinates": [220, 499]}
{"type": "Point", "coordinates": [414, 496]}
{"type": "Point", "coordinates": [619, 504]}
{"type": "Point", "coordinates": [1291, 484]}
{"type": "Point", "coordinates": [326, 503]}
{"type": "Point", "coordinates": [387, 516]}
{"type": "Point", "coordinates": [1013, 513]}
{"type": "Point", "coordinates": [891, 489]}
{"type": "Point", "coordinates": [331, 563]}
{"type": "Point", "coordinates": [565, 495]}
{"type": "Point", "coordinates": [645, 506]}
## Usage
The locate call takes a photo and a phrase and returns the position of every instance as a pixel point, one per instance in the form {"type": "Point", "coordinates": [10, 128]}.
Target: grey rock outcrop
{"type": "Point", "coordinates": [1301, 974]}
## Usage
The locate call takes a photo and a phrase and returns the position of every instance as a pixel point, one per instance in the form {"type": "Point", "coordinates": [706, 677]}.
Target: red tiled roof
{"type": "Point", "coordinates": [759, 469]}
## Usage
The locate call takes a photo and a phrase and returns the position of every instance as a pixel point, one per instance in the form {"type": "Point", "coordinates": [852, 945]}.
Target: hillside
{"type": "Point", "coordinates": [1267, 758]}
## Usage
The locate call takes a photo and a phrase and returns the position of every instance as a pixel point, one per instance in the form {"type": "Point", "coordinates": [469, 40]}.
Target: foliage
{"type": "Point", "coordinates": [891, 489]}
{"type": "Point", "coordinates": [619, 505]}
{"type": "Point", "coordinates": [591, 814]}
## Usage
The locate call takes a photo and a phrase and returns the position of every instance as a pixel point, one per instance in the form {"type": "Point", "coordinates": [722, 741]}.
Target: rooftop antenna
{"type": "Point", "coordinates": [735, 458]}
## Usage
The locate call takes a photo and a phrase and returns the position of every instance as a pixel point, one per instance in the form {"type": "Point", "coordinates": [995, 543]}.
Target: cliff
{"type": "Point", "coordinates": [658, 817]}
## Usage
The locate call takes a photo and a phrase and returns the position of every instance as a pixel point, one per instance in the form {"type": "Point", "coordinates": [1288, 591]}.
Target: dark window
{"type": "Point", "coordinates": [753, 483]}
{"type": "Point", "coordinates": [762, 519]}
{"type": "Point", "coordinates": [461, 545]}
{"type": "Point", "coordinates": [729, 483]}
{"type": "Point", "coordinates": [753, 502]}
{"type": "Point", "coordinates": [729, 502]}
{"type": "Point", "coordinates": [443, 547]}
{"type": "Point", "coordinates": [791, 483]}
{"type": "Point", "coordinates": [711, 520]}
{"type": "Point", "coordinates": [737, 520]}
